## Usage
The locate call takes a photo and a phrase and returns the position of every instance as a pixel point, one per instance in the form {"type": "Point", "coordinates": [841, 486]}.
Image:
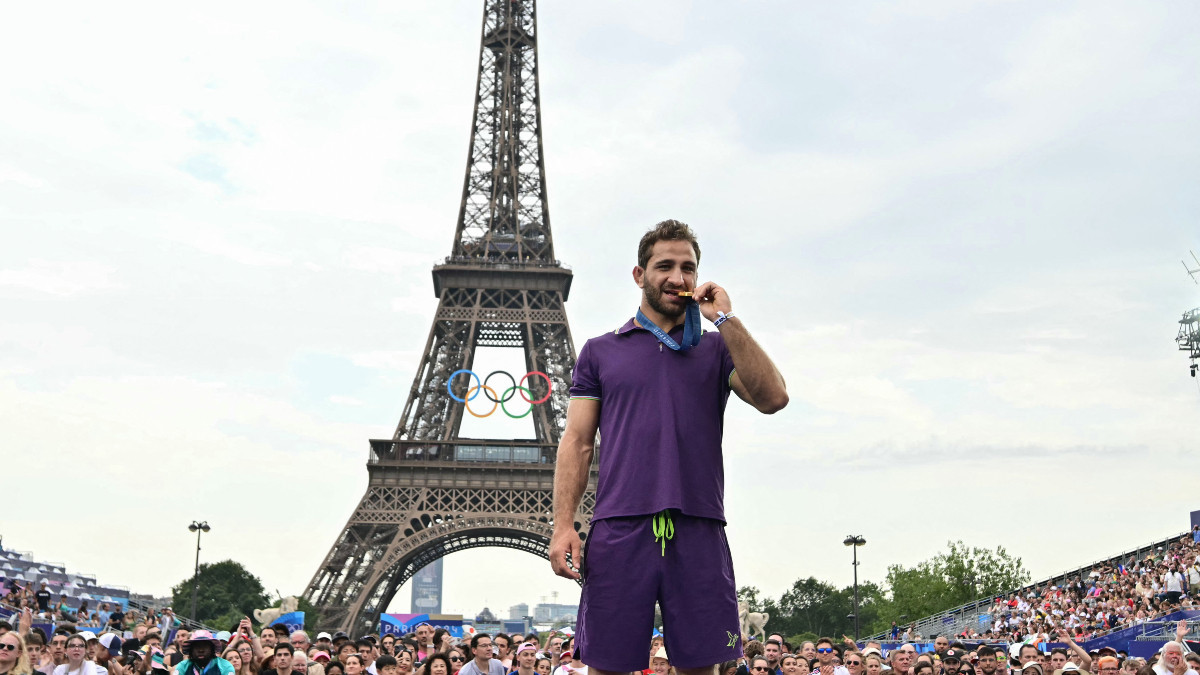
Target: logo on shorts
{"type": "Point", "coordinates": [732, 639]}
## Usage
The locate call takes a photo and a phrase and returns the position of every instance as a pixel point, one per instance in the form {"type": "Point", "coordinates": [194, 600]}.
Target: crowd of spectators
{"type": "Point", "coordinates": [108, 640]}
{"type": "Point", "coordinates": [776, 656]}
{"type": "Point", "coordinates": [1101, 600]}
{"type": "Point", "coordinates": [429, 651]}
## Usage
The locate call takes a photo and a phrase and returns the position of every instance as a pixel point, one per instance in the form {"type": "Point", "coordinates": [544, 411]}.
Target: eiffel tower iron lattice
{"type": "Point", "coordinates": [430, 491]}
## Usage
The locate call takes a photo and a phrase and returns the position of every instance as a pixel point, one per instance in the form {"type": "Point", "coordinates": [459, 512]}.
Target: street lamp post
{"type": "Point", "coordinates": [855, 540]}
{"type": "Point", "coordinates": [198, 528]}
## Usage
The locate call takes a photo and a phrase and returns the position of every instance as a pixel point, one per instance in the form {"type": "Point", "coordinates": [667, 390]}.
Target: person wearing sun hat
{"type": "Point", "coordinates": [202, 656]}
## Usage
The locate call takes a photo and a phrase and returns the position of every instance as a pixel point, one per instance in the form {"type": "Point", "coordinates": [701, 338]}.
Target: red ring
{"type": "Point", "coordinates": [549, 387]}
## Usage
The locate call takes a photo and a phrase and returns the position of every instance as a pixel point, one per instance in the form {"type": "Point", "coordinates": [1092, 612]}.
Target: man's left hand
{"type": "Point", "coordinates": [712, 299]}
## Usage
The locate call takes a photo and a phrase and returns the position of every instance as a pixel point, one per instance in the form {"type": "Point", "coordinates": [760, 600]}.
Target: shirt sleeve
{"type": "Point", "coordinates": [585, 381]}
{"type": "Point", "coordinates": [726, 365]}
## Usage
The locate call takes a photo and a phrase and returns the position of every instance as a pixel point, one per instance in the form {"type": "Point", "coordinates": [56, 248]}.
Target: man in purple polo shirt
{"type": "Point", "coordinates": [656, 389]}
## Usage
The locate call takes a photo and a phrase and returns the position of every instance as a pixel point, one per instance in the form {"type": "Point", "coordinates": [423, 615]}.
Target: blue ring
{"type": "Point", "coordinates": [450, 381]}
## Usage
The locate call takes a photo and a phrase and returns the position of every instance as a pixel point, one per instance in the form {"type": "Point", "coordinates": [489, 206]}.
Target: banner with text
{"type": "Point", "coordinates": [401, 624]}
{"type": "Point", "coordinates": [294, 621]}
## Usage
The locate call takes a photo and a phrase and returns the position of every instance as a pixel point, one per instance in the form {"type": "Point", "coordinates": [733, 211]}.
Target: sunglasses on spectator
{"type": "Point", "coordinates": [824, 650]}
{"type": "Point", "coordinates": [760, 668]}
{"type": "Point", "coordinates": [456, 658]}
{"type": "Point", "coordinates": [854, 663]}
{"type": "Point", "coordinates": [5, 645]}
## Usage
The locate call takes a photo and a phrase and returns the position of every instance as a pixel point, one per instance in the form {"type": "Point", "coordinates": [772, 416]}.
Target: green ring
{"type": "Point", "coordinates": [505, 396]}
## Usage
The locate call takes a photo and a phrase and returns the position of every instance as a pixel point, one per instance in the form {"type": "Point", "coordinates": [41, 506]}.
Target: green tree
{"type": "Point", "coordinates": [226, 593]}
{"type": "Point", "coordinates": [950, 579]}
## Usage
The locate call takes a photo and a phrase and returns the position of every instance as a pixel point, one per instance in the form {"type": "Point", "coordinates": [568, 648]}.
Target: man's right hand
{"type": "Point", "coordinates": [565, 541]}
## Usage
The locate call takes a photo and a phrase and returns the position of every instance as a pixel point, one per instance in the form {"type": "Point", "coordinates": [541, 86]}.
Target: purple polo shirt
{"type": "Point", "coordinates": [662, 413]}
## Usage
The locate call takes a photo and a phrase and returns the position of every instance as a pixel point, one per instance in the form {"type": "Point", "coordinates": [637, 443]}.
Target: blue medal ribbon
{"type": "Point", "coordinates": [691, 328]}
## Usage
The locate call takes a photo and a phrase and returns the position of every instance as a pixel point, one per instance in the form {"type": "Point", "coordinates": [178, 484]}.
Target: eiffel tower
{"type": "Point", "coordinates": [432, 492]}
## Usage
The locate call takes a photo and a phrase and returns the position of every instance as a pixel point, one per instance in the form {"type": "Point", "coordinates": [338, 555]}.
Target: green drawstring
{"type": "Point", "coordinates": [664, 528]}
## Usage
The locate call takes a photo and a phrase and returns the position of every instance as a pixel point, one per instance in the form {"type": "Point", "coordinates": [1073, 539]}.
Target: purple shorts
{"type": "Point", "coordinates": [625, 573]}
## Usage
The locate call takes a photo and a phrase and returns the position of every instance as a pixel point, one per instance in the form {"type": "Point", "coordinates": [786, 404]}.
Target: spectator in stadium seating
{"type": "Point", "coordinates": [353, 664]}
{"type": "Point", "coordinates": [404, 662]}
{"type": "Point", "coordinates": [872, 663]}
{"type": "Point", "coordinates": [14, 658]}
{"type": "Point", "coordinates": [853, 661]}
{"type": "Point", "coordinates": [234, 658]}
{"type": "Point", "coordinates": [368, 650]}
{"type": "Point", "coordinates": [826, 654]}
{"type": "Point", "coordinates": [543, 667]}
{"type": "Point", "coordinates": [441, 641]}
{"type": "Point", "coordinates": [1172, 660]}
{"type": "Point", "coordinates": [903, 658]}
{"type": "Point", "coordinates": [553, 649]}
{"type": "Point", "coordinates": [773, 653]}
{"type": "Point", "coordinates": [245, 652]}
{"type": "Point", "coordinates": [281, 663]}
{"type": "Point", "coordinates": [482, 662]}
{"type": "Point", "coordinates": [940, 644]}
{"type": "Point", "coordinates": [525, 658]}
{"type": "Point", "coordinates": [344, 650]}
{"type": "Point", "coordinates": [299, 662]}
{"type": "Point", "coordinates": [43, 598]}
{"type": "Point", "coordinates": [39, 657]}
{"type": "Point", "coordinates": [202, 656]}
{"type": "Point", "coordinates": [438, 664]}
{"type": "Point", "coordinates": [502, 650]}
{"type": "Point", "coordinates": [268, 638]}
{"type": "Point", "coordinates": [77, 662]}
{"type": "Point", "coordinates": [299, 641]}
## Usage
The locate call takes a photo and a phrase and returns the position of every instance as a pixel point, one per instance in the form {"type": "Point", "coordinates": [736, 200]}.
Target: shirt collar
{"type": "Point", "coordinates": [631, 325]}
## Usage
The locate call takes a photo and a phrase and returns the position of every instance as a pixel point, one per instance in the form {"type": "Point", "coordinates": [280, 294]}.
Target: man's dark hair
{"type": "Point", "coordinates": [66, 631]}
{"type": "Point", "coordinates": [363, 642]}
{"type": "Point", "coordinates": [1027, 646]}
{"type": "Point", "coordinates": [285, 646]}
{"type": "Point", "coordinates": [35, 638]}
{"type": "Point", "coordinates": [385, 661]}
{"type": "Point", "coordinates": [269, 628]}
{"type": "Point", "coordinates": [824, 641]}
{"type": "Point", "coordinates": [1060, 650]}
{"type": "Point", "coordinates": [478, 636]}
{"type": "Point", "coordinates": [667, 230]}
{"type": "Point", "coordinates": [531, 637]}
{"type": "Point", "coordinates": [775, 642]}
{"type": "Point", "coordinates": [4, 625]}
{"type": "Point", "coordinates": [985, 650]}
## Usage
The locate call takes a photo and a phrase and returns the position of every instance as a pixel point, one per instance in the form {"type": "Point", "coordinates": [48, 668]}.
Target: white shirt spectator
{"type": "Point", "coordinates": [1173, 582]}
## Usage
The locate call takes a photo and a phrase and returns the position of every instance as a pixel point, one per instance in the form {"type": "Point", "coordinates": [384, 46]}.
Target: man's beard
{"type": "Point", "coordinates": [654, 298]}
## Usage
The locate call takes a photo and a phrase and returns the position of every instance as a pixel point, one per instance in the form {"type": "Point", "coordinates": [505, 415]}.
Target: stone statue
{"type": "Point", "coordinates": [753, 623]}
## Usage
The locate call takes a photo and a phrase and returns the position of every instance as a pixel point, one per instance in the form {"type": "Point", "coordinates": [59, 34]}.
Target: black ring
{"type": "Point", "coordinates": [512, 391]}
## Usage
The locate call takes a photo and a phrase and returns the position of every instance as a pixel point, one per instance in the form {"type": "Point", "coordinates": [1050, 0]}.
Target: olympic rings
{"type": "Point", "coordinates": [515, 388]}
{"type": "Point", "coordinates": [450, 380]}
{"type": "Point", "coordinates": [509, 392]}
{"type": "Point", "coordinates": [518, 387]}
{"type": "Point", "coordinates": [549, 386]}
{"type": "Point", "coordinates": [485, 388]}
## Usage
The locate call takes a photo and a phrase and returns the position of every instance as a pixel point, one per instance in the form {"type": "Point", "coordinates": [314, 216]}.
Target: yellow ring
{"type": "Point", "coordinates": [495, 404]}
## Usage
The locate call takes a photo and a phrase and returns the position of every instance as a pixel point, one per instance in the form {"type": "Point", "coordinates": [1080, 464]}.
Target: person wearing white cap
{"type": "Point", "coordinates": [659, 663]}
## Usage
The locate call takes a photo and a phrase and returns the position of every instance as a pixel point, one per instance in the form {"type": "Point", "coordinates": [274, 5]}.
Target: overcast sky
{"type": "Point", "coordinates": [955, 226]}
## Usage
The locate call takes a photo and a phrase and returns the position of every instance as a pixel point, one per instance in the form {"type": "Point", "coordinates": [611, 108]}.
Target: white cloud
{"type": "Point", "coordinates": [61, 278]}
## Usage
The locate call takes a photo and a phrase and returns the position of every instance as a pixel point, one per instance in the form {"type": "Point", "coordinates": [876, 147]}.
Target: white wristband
{"type": "Point", "coordinates": [722, 317]}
